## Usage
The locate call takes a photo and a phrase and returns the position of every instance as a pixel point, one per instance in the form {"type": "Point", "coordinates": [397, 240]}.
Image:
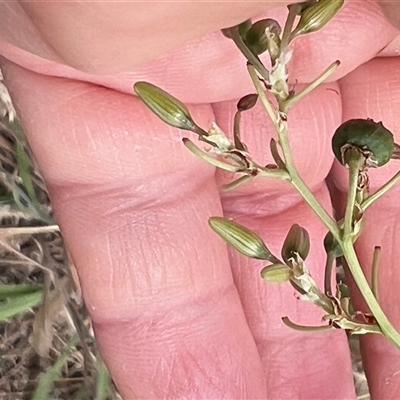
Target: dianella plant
{"type": "Point", "coordinates": [358, 144]}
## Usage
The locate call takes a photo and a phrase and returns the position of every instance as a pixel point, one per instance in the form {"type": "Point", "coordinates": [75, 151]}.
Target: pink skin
{"type": "Point", "coordinates": [176, 316]}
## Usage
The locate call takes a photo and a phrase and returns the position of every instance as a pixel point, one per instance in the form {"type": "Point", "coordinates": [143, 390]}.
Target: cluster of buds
{"type": "Point", "coordinates": [358, 144]}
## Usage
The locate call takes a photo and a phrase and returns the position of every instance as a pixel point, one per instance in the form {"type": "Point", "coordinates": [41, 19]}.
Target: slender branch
{"type": "Point", "coordinates": [294, 10]}
{"type": "Point", "coordinates": [251, 58]}
{"type": "Point", "coordinates": [298, 183]}
{"type": "Point", "coordinates": [303, 328]}
{"type": "Point", "coordinates": [263, 97]}
{"type": "Point", "coordinates": [355, 162]}
{"type": "Point", "coordinates": [330, 259]}
{"type": "Point", "coordinates": [236, 183]}
{"type": "Point", "coordinates": [381, 191]}
{"type": "Point", "coordinates": [310, 87]}
{"type": "Point", "coordinates": [374, 271]}
{"type": "Point", "coordinates": [206, 157]}
{"type": "Point", "coordinates": [354, 266]}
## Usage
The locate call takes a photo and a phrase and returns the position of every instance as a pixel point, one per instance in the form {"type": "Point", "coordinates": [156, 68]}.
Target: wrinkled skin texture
{"type": "Point", "coordinates": [176, 314]}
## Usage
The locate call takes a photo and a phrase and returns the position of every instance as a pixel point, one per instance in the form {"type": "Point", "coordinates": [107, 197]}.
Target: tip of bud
{"type": "Point", "coordinates": [241, 238]}
{"type": "Point", "coordinates": [277, 273]}
{"type": "Point", "coordinates": [166, 107]}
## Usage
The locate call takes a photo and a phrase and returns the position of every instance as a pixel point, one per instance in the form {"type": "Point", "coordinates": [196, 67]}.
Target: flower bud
{"type": "Point", "coordinates": [247, 102]}
{"type": "Point", "coordinates": [316, 16]}
{"type": "Point", "coordinates": [241, 28]}
{"type": "Point", "coordinates": [166, 107]}
{"type": "Point", "coordinates": [277, 273]}
{"type": "Point", "coordinates": [263, 35]}
{"type": "Point", "coordinates": [242, 239]}
{"type": "Point", "coordinates": [371, 138]}
{"type": "Point", "coordinates": [297, 242]}
{"type": "Point", "coordinates": [332, 246]}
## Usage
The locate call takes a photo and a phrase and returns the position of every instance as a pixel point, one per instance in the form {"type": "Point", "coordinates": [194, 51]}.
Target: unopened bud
{"type": "Point", "coordinates": [166, 107]}
{"type": "Point", "coordinates": [297, 242]}
{"type": "Point", "coordinates": [277, 273]}
{"type": "Point", "coordinates": [241, 238]}
{"type": "Point", "coordinates": [316, 16]}
{"type": "Point", "coordinates": [247, 102]}
{"type": "Point", "coordinates": [263, 35]}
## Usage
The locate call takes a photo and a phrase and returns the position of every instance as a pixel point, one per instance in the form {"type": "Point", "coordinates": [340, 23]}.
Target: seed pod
{"type": "Point", "coordinates": [371, 138]}
{"type": "Point", "coordinates": [277, 273]}
{"type": "Point", "coordinates": [241, 238]}
{"type": "Point", "coordinates": [166, 107]}
{"type": "Point", "coordinates": [316, 16]}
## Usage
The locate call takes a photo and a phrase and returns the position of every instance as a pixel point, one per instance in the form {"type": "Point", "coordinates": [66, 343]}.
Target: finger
{"type": "Point", "coordinates": [372, 91]}
{"type": "Point", "coordinates": [205, 69]}
{"type": "Point", "coordinates": [133, 205]}
{"type": "Point", "coordinates": [105, 38]}
{"type": "Point", "coordinates": [297, 365]}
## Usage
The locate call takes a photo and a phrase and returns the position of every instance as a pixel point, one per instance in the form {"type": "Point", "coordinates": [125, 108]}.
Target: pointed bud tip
{"type": "Point", "coordinates": [241, 238]}
{"type": "Point", "coordinates": [166, 107]}
{"type": "Point", "coordinates": [277, 273]}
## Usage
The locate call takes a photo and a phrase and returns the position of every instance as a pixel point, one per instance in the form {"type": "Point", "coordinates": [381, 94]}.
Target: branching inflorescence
{"type": "Point", "coordinates": [358, 144]}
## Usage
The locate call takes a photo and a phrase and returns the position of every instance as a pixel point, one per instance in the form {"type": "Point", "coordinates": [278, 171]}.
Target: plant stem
{"type": "Point", "coordinates": [355, 162]}
{"type": "Point", "coordinates": [267, 105]}
{"type": "Point", "coordinates": [330, 259]}
{"type": "Point", "coordinates": [206, 157]}
{"type": "Point", "coordinates": [310, 87]}
{"type": "Point", "coordinates": [297, 182]}
{"type": "Point", "coordinates": [250, 57]}
{"type": "Point", "coordinates": [381, 191]}
{"type": "Point", "coordinates": [303, 328]}
{"type": "Point", "coordinates": [354, 266]}
{"type": "Point", "coordinates": [294, 10]}
{"type": "Point", "coordinates": [374, 271]}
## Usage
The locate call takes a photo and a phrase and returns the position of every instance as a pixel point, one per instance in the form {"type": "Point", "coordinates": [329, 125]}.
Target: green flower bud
{"type": "Point", "coordinates": [241, 28]}
{"type": "Point", "coordinates": [242, 239]}
{"type": "Point", "coordinates": [277, 273]}
{"type": "Point", "coordinates": [259, 41]}
{"type": "Point", "coordinates": [166, 107]}
{"type": "Point", "coordinates": [316, 16]}
{"type": "Point", "coordinates": [332, 246]}
{"type": "Point", "coordinates": [297, 242]}
{"type": "Point", "coordinates": [371, 138]}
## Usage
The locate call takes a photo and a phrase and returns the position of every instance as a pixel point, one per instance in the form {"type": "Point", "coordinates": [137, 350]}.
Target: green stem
{"type": "Point", "coordinates": [294, 10]}
{"type": "Point", "coordinates": [374, 271]}
{"type": "Point", "coordinates": [251, 58]}
{"type": "Point", "coordinates": [355, 162]}
{"type": "Point", "coordinates": [354, 266]}
{"type": "Point", "coordinates": [330, 259]}
{"type": "Point", "coordinates": [381, 191]}
{"type": "Point", "coordinates": [310, 87]}
{"type": "Point", "coordinates": [267, 105]}
{"type": "Point", "coordinates": [206, 157]}
{"type": "Point", "coordinates": [303, 328]}
{"type": "Point", "coordinates": [236, 183]}
{"type": "Point", "coordinates": [274, 173]}
{"type": "Point", "coordinates": [297, 182]}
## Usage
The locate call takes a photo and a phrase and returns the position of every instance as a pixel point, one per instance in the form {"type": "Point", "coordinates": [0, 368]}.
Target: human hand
{"type": "Point", "coordinates": [175, 316]}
